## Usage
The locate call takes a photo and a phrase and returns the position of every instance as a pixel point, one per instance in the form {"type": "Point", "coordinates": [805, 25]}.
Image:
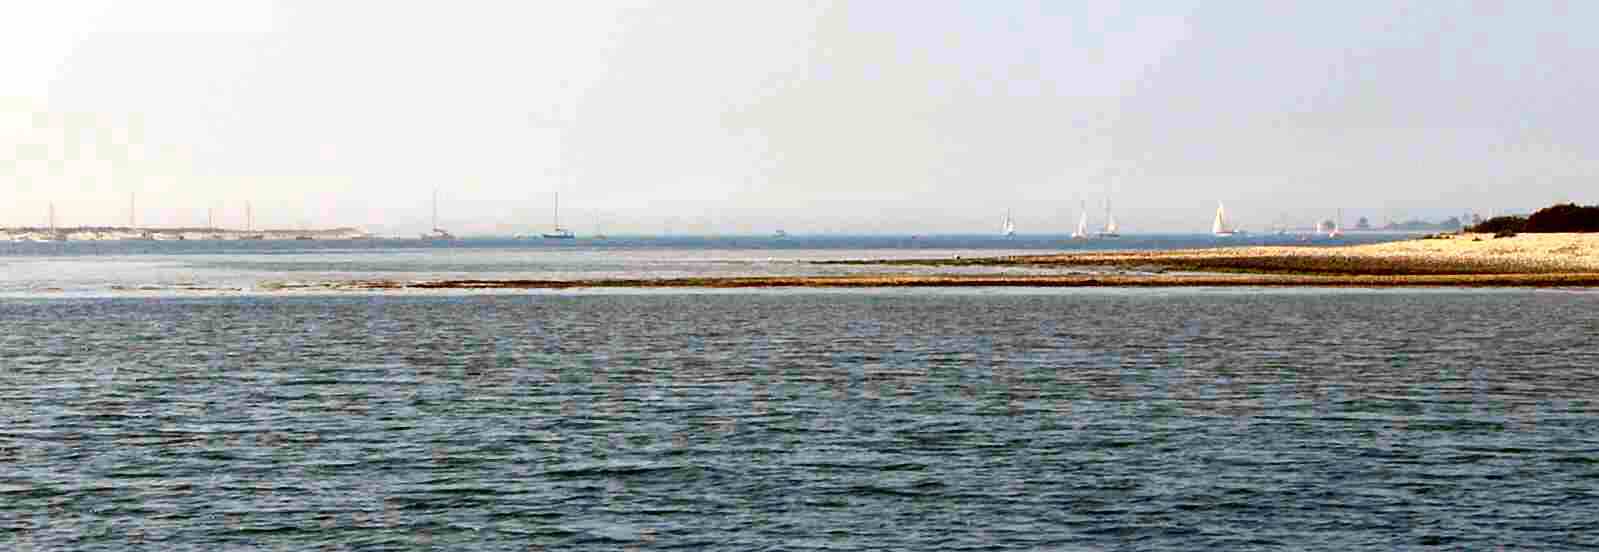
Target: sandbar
{"type": "Point", "coordinates": [1461, 260]}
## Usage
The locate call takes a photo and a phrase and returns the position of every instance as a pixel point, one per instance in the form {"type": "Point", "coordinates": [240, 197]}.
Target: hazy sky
{"type": "Point", "coordinates": [748, 116]}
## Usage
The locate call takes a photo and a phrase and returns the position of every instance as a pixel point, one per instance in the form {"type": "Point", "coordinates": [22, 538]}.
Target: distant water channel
{"type": "Point", "coordinates": [927, 419]}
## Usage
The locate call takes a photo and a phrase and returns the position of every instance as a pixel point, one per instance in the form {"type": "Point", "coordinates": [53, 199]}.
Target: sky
{"type": "Point", "coordinates": [738, 117]}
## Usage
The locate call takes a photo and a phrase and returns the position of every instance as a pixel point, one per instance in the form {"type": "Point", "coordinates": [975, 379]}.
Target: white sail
{"type": "Point", "coordinates": [1009, 228]}
{"type": "Point", "coordinates": [1219, 226]}
{"type": "Point", "coordinates": [1082, 223]}
{"type": "Point", "coordinates": [1110, 229]}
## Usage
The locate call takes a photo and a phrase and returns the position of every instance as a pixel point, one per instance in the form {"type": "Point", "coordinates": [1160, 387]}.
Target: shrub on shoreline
{"type": "Point", "coordinates": [1496, 225]}
{"type": "Point", "coordinates": [1569, 217]}
{"type": "Point", "coordinates": [1564, 218]}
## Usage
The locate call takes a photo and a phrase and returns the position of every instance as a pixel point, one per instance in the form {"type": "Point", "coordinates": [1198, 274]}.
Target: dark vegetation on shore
{"type": "Point", "coordinates": [1569, 217]}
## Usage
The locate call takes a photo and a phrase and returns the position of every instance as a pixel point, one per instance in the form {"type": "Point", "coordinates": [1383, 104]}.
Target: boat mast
{"type": "Point", "coordinates": [557, 210]}
{"type": "Point", "coordinates": [1082, 222]}
{"type": "Point", "coordinates": [131, 225]}
{"type": "Point", "coordinates": [249, 218]}
{"type": "Point", "coordinates": [435, 208]}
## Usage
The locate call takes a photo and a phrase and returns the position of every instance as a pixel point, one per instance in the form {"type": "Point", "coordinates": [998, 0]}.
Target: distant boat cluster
{"type": "Point", "coordinates": [1221, 226]}
{"type": "Point", "coordinates": [132, 232]}
{"type": "Point", "coordinates": [1082, 232]}
{"type": "Point", "coordinates": [177, 234]}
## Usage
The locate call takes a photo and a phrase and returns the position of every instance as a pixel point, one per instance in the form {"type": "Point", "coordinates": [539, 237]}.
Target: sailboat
{"type": "Point", "coordinates": [558, 233]}
{"type": "Point", "coordinates": [133, 232]}
{"type": "Point", "coordinates": [1082, 224]}
{"type": "Point", "coordinates": [438, 234]}
{"type": "Point", "coordinates": [211, 225]}
{"type": "Point", "coordinates": [55, 234]}
{"type": "Point", "coordinates": [1338, 226]}
{"type": "Point", "coordinates": [249, 225]}
{"type": "Point", "coordinates": [1110, 230]}
{"type": "Point", "coordinates": [1219, 226]}
{"type": "Point", "coordinates": [1009, 228]}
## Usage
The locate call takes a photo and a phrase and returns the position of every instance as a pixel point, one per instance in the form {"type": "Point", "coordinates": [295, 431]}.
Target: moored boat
{"type": "Point", "coordinates": [437, 234]}
{"type": "Point", "coordinates": [1111, 230]}
{"type": "Point", "coordinates": [558, 233]}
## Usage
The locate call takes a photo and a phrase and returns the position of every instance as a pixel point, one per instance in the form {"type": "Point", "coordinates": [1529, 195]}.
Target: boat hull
{"type": "Point", "coordinates": [438, 234]}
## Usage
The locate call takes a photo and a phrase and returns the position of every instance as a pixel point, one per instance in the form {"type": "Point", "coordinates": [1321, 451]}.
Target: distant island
{"type": "Point", "coordinates": [1447, 225]}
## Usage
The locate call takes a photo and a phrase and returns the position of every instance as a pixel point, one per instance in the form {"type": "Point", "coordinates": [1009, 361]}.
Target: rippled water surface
{"type": "Point", "coordinates": [788, 420]}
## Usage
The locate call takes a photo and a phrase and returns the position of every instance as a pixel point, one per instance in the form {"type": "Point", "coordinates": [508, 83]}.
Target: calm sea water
{"type": "Point", "coordinates": [802, 420]}
{"type": "Point", "coordinates": [160, 268]}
